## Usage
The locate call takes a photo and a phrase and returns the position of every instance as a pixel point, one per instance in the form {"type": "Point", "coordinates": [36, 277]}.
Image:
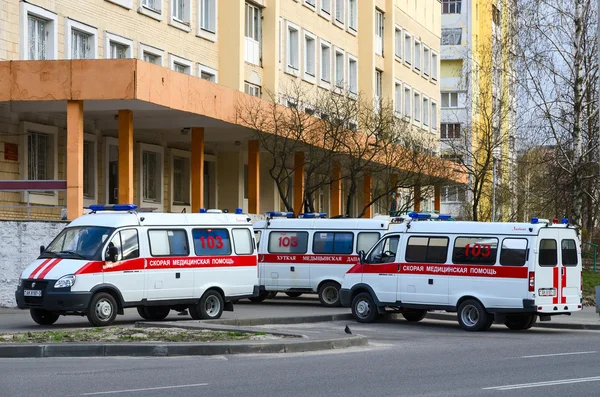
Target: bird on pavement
{"type": "Point", "coordinates": [347, 330]}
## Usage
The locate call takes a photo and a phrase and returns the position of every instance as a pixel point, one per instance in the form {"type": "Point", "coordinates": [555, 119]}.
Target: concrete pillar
{"type": "Point", "coordinates": [74, 159]}
{"type": "Point", "coordinates": [368, 195]}
{"type": "Point", "coordinates": [417, 203]}
{"type": "Point", "coordinates": [336, 191]}
{"type": "Point", "coordinates": [253, 177]}
{"type": "Point", "coordinates": [126, 157]}
{"type": "Point", "coordinates": [231, 37]}
{"type": "Point", "coordinates": [437, 203]}
{"type": "Point", "coordinates": [197, 164]}
{"type": "Point", "coordinates": [298, 181]}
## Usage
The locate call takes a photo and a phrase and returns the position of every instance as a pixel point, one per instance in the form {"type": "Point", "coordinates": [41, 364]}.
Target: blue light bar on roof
{"type": "Point", "coordinates": [273, 214]}
{"type": "Point", "coordinates": [535, 221]}
{"type": "Point", "coordinates": [239, 211]}
{"type": "Point", "coordinates": [565, 221]}
{"type": "Point", "coordinates": [444, 217]}
{"type": "Point", "coordinates": [313, 215]}
{"type": "Point", "coordinates": [113, 207]}
{"type": "Point", "coordinates": [419, 215]}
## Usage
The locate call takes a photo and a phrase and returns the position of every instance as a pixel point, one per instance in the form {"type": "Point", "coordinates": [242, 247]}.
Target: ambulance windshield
{"type": "Point", "coordinates": [78, 243]}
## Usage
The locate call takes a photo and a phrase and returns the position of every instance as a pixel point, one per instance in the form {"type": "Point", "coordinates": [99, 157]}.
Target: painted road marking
{"type": "Point", "coordinates": [559, 354]}
{"type": "Point", "coordinates": [541, 384]}
{"type": "Point", "coordinates": [145, 389]}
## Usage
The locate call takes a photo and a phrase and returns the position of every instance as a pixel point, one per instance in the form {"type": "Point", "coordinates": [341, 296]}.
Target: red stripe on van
{"type": "Point", "coordinates": [309, 258]}
{"type": "Point", "coordinates": [37, 269]}
{"type": "Point", "coordinates": [443, 270]}
{"type": "Point", "coordinates": [563, 284]}
{"type": "Point", "coordinates": [555, 285]}
{"type": "Point", "coordinates": [48, 268]}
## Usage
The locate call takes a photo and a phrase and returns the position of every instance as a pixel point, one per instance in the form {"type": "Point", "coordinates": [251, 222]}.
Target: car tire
{"type": "Point", "coordinates": [102, 310]}
{"type": "Point", "coordinates": [211, 306]}
{"type": "Point", "coordinates": [157, 313]}
{"type": "Point", "coordinates": [414, 316]}
{"type": "Point", "coordinates": [520, 322]}
{"type": "Point", "coordinates": [472, 316]}
{"type": "Point", "coordinates": [363, 308]}
{"type": "Point", "coordinates": [142, 312]}
{"type": "Point", "coordinates": [329, 294]}
{"type": "Point", "coordinates": [43, 317]}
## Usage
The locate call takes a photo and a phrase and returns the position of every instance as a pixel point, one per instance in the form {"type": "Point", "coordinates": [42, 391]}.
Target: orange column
{"type": "Point", "coordinates": [74, 159]}
{"type": "Point", "coordinates": [125, 157]}
{"type": "Point", "coordinates": [417, 204]}
{"type": "Point", "coordinates": [253, 177]}
{"type": "Point", "coordinates": [298, 181]}
{"type": "Point", "coordinates": [437, 203]}
{"type": "Point", "coordinates": [368, 195]}
{"type": "Point", "coordinates": [336, 191]}
{"type": "Point", "coordinates": [197, 169]}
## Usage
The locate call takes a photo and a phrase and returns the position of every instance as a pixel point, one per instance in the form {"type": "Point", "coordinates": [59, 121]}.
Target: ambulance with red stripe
{"type": "Point", "coordinates": [510, 273]}
{"type": "Point", "coordinates": [116, 258]}
{"type": "Point", "coordinates": [310, 254]}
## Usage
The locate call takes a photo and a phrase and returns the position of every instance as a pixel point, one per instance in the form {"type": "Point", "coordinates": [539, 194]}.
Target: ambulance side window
{"type": "Point", "coordinates": [385, 251]}
{"type": "Point", "coordinates": [242, 241]}
{"type": "Point", "coordinates": [548, 253]}
{"type": "Point", "coordinates": [569, 253]}
{"type": "Point", "coordinates": [366, 240]}
{"type": "Point", "coordinates": [115, 241]}
{"type": "Point", "coordinates": [129, 243]}
{"type": "Point", "coordinates": [211, 242]}
{"type": "Point", "coordinates": [427, 249]}
{"type": "Point", "coordinates": [514, 252]}
{"type": "Point", "coordinates": [168, 243]}
{"type": "Point", "coordinates": [288, 242]}
{"type": "Point", "coordinates": [475, 251]}
{"type": "Point", "coordinates": [333, 243]}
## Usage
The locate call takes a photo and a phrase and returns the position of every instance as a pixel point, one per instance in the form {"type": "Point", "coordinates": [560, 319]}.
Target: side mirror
{"type": "Point", "coordinates": [361, 257]}
{"type": "Point", "coordinates": [42, 249]}
{"type": "Point", "coordinates": [113, 253]}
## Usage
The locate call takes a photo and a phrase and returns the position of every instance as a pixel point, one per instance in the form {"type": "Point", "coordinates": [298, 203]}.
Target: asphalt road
{"type": "Point", "coordinates": [427, 359]}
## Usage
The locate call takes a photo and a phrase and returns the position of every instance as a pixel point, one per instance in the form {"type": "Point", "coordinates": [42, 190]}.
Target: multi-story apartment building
{"type": "Point", "coordinates": [134, 100]}
{"type": "Point", "coordinates": [478, 104]}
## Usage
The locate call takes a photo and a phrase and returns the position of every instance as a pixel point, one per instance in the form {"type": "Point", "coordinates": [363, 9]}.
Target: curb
{"type": "Point", "coordinates": [281, 320]}
{"type": "Point", "coordinates": [176, 349]}
{"type": "Point", "coordinates": [549, 324]}
{"type": "Point", "coordinates": [198, 325]}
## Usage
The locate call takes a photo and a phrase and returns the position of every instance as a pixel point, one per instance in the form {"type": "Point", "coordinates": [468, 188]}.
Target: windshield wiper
{"type": "Point", "coordinates": [72, 253]}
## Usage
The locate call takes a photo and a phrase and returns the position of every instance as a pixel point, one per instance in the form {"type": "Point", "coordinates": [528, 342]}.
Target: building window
{"type": "Point", "coordinates": [434, 116]}
{"type": "Point", "coordinates": [417, 63]}
{"type": "Point", "coordinates": [326, 6]}
{"type": "Point", "coordinates": [310, 3]}
{"type": "Point", "coordinates": [148, 57]}
{"type": "Point", "coordinates": [417, 107]}
{"type": "Point", "coordinates": [280, 43]}
{"type": "Point", "coordinates": [181, 181]}
{"type": "Point", "coordinates": [325, 62]}
{"type": "Point", "coordinates": [117, 47]}
{"type": "Point", "coordinates": [310, 57]}
{"type": "Point", "coordinates": [123, 3]}
{"type": "Point", "coordinates": [180, 65]}
{"type": "Point", "coordinates": [451, 6]}
{"type": "Point", "coordinates": [398, 99]}
{"type": "Point", "coordinates": [450, 131]}
{"type": "Point", "coordinates": [426, 61]}
{"type": "Point", "coordinates": [425, 112]}
{"type": "Point", "coordinates": [453, 194]}
{"type": "Point", "coordinates": [180, 14]}
{"type": "Point", "coordinates": [407, 48]}
{"type": "Point", "coordinates": [152, 174]}
{"type": "Point", "coordinates": [39, 33]}
{"type": "Point", "coordinates": [339, 69]}
{"type": "Point", "coordinates": [80, 45]}
{"type": "Point", "coordinates": [339, 11]}
{"type": "Point", "coordinates": [153, 5]}
{"type": "Point", "coordinates": [452, 36]}
{"type": "Point", "coordinates": [434, 66]}
{"type": "Point", "coordinates": [398, 43]}
{"type": "Point", "coordinates": [449, 99]}
{"type": "Point", "coordinates": [208, 15]}
{"type": "Point", "coordinates": [352, 74]}
{"type": "Point", "coordinates": [207, 73]}
{"type": "Point", "coordinates": [89, 169]}
{"type": "Point", "coordinates": [252, 89]}
{"type": "Point", "coordinates": [353, 14]}
{"type": "Point", "coordinates": [378, 32]}
{"type": "Point", "coordinates": [407, 102]}
{"type": "Point", "coordinates": [378, 87]}
{"type": "Point", "coordinates": [151, 54]}
{"type": "Point", "coordinates": [40, 159]}
{"type": "Point", "coordinates": [81, 40]}
{"type": "Point", "coordinates": [253, 28]}
{"type": "Point", "coordinates": [293, 49]}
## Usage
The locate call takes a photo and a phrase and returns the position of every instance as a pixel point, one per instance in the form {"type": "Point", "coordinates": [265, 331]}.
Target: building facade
{"type": "Point", "coordinates": [478, 105]}
{"type": "Point", "coordinates": [133, 100]}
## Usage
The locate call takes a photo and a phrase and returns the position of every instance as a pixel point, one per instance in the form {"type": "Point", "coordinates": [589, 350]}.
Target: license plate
{"type": "Point", "coordinates": [547, 292]}
{"type": "Point", "coordinates": [32, 292]}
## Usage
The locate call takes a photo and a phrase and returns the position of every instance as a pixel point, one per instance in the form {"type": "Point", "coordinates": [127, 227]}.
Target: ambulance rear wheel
{"type": "Point", "coordinates": [520, 322]}
{"type": "Point", "coordinates": [363, 308]}
{"type": "Point", "coordinates": [43, 317]}
{"type": "Point", "coordinates": [472, 316]}
{"type": "Point", "coordinates": [414, 315]}
{"type": "Point", "coordinates": [329, 294]}
{"type": "Point", "coordinates": [156, 312]}
{"type": "Point", "coordinates": [102, 310]}
{"type": "Point", "coordinates": [210, 307]}
{"type": "Point", "coordinates": [142, 313]}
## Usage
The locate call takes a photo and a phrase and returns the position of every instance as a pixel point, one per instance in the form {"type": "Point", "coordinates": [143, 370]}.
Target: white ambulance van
{"type": "Point", "coordinates": [115, 258]}
{"type": "Point", "coordinates": [310, 254]}
{"type": "Point", "coordinates": [512, 273]}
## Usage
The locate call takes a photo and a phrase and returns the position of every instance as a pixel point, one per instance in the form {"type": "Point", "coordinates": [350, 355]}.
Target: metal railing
{"type": "Point", "coordinates": [591, 252]}
{"type": "Point", "coordinates": [29, 186]}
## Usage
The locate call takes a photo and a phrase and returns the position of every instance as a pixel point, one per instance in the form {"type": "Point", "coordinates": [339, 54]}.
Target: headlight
{"type": "Point", "coordinates": [65, 282]}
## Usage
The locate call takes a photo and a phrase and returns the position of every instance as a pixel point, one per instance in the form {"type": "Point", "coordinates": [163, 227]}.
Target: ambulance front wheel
{"type": "Point", "coordinates": [329, 294]}
{"type": "Point", "coordinates": [210, 307]}
{"type": "Point", "coordinates": [472, 316]}
{"type": "Point", "coordinates": [43, 317]}
{"type": "Point", "coordinates": [520, 322]}
{"type": "Point", "coordinates": [102, 310]}
{"type": "Point", "coordinates": [363, 308]}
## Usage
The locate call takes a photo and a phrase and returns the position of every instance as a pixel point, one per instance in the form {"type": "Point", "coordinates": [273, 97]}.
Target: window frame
{"type": "Point", "coordinates": [323, 12]}
{"type": "Point", "coordinates": [185, 23]}
{"type": "Point", "coordinates": [145, 48]}
{"type": "Point", "coordinates": [311, 6]}
{"type": "Point", "coordinates": [92, 199]}
{"type": "Point", "coordinates": [335, 233]}
{"type": "Point", "coordinates": [179, 207]}
{"type": "Point", "coordinates": [252, 241]}
{"type": "Point", "coordinates": [270, 251]}
{"type": "Point", "coordinates": [159, 150]}
{"type": "Point", "coordinates": [337, 87]}
{"type": "Point", "coordinates": [526, 251]}
{"type": "Point", "coordinates": [434, 115]}
{"type": "Point", "coordinates": [118, 232]}
{"type": "Point", "coordinates": [435, 66]}
{"type": "Point", "coordinates": [366, 232]}
{"type": "Point", "coordinates": [427, 251]}
{"type": "Point", "coordinates": [398, 102]}
{"type": "Point", "coordinates": [155, 13]}
{"type": "Point", "coordinates": [417, 112]}
{"type": "Point", "coordinates": [409, 103]}
{"type": "Point", "coordinates": [540, 249]}
{"type": "Point", "coordinates": [290, 68]}
{"type": "Point", "coordinates": [229, 235]}
{"type": "Point", "coordinates": [173, 59]}
{"type": "Point", "coordinates": [562, 256]}
{"type": "Point", "coordinates": [408, 60]}
{"type": "Point", "coordinates": [208, 70]}
{"type": "Point", "coordinates": [26, 127]}
{"type": "Point", "coordinates": [352, 24]}
{"type": "Point", "coordinates": [253, 45]}
{"type": "Point", "coordinates": [325, 44]}
{"type": "Point", "coordinates": [417, 47]}
{"type": "Point", "coordinates": [128, 4]}
{"type": "Point", "coordinates": [450, 93]}
{"type": "Point", "coordinates": [425, 112]}
{"type": "Point", "coordinates": [205, 33]}
{"type": "Point", "coordinates": [51, 49]}
{"type": "Point", "coordinates": [187, 239]}
{"type": "Point", "coordinates": [91, 31]}
{"type": "Point", "coordinates": [306, 76]}
{"type": "Point", "coordinates": [379, 31]}
{"type": "Point", "coordinates": [111, 37]}
{"type": "Point", "coordinates": [398, 32]}
{"type": "Point", "coordinates": [450, 33]}
{"type": "Point", "coordinates": [352, 85]}
{"type": "Point", "coordinates": [457, 7]}
{"type": "Point", "coordinates": [454, 247]}
{"type": "Point", "coordinates": [339, 5]}
{"type": "Point", "coordinates": [252, 86]}
{"type": "Point", "coordinates": [426, 62]}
